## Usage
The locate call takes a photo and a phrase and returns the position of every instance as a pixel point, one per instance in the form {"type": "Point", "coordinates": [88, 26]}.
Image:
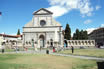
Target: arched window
{"type": "Point", "coordinates": [42, 22]}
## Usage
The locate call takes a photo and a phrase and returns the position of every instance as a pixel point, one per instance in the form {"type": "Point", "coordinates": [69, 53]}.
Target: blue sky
{"type": "Point", "coordinates": [81, 14]}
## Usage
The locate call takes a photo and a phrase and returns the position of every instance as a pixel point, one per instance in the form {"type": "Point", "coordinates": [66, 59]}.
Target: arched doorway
{"type": "Point", "coordinates": [42, 41]}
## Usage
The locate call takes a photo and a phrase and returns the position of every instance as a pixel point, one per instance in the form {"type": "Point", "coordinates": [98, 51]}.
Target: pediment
{"type": "Point", "coordinates": [42, 11]}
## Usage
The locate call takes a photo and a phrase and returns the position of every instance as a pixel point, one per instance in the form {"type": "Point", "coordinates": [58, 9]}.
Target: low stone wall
{"type": "Point", "coordinates": [81, 43]}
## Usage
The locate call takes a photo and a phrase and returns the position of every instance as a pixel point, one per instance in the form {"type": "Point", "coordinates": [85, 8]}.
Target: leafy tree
{"type": "Point", "coordinates": [67, 32]}
{"type": "Point", "coordinates": [18, 33]}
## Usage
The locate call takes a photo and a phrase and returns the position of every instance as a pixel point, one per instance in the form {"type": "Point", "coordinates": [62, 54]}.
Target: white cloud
{"type": "Point", "coordinates": [102, 25]}
{"type": "Point", "coordinates": [57, 10]}
{"type": "Point", "coordinates": [98, 7]}
{"type": "Point", "coordinates": [2, 32]}
{"type": "Point", "coordinates": [89, 30]}
{"type": "Point", "coordinates": [61, 7]}
{"type": "Point", "coordinates": [87, 21]}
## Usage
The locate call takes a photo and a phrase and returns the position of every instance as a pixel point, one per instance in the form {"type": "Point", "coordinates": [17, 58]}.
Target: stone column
{"type": "Point", "coordinates": [45, 40]}
{"type": "Point", "coordinates": [67, 43]}
{"type": "Point", "coordinates": [23, 39]}
{"type": "Point", "coordinates": [38, 42]}
{"type": "Point", "coordinates": [60, 36]}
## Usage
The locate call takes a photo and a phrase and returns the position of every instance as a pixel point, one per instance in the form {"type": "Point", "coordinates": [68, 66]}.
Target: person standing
{"type": "Point", "coordinates": [35, 47]}
{"type": "Point", "coordinates": [47, 51]}
{"type": "Point", "coordinates": [53, 49]}
{"type": "Point", "coordinates": [40, 48]}
{"type": "Point", "coordinates": [72, 48]}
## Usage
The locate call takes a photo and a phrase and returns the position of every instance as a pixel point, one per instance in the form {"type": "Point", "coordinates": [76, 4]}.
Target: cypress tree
{"type": "Point", "coordinates": [74, 36]}
{"type": "Point", "coordinates": [77, 34]}
{"type": "Point", "coordinates": [81, 35]}
{"type": "Point", "coordinates": [18, 33]}
{"type": "Point", "coordinates": [85, 35]}
{"type": "Point", "coordinates": [67, 32]}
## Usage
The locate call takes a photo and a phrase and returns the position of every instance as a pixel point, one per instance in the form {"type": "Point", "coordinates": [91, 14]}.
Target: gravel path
{"type": "Point", "coordinates": [82, 57]}
{"type": "Point", "coordinates": [30, 51]}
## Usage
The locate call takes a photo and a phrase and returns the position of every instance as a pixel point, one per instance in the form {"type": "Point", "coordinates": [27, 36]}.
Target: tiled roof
{"type": "Point", "coordinates": [13, 36]}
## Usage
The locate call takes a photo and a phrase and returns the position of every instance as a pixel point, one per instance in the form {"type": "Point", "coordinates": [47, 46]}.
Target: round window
{"type": "Point", "coordinates": [42, 22]}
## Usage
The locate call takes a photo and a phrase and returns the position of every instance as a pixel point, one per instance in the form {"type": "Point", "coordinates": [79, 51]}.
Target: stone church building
{"type": "Point", "coordinates": [43, 30]}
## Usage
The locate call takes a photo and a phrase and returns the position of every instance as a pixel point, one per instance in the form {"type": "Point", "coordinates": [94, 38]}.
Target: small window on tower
{"type": "Point", "coordinates": [42, 22]}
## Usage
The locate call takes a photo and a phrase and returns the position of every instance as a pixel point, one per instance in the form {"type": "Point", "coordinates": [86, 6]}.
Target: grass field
{"type": "Point", "coordinates": [39, 61]}
{"type": "Point", "coordinates": [8, 50]}
{"type": "Point", "coordinates": [86, 52]}
{"type": "Point", "coordinates": [11, 50]}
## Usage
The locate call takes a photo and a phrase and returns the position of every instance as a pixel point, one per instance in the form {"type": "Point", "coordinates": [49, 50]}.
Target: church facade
{"type": "Point", "coordinates": [43, 30]}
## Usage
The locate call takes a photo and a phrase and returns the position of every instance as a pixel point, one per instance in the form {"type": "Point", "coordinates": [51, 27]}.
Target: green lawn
{"type": "Point", "coordinates": [11, 50]}
{"type": "Point", "coordinates": [86, 52]}
{"type": "Point", "coordinates": [8, 50]}
{"type": "Point", "coordinates": [39, 61]}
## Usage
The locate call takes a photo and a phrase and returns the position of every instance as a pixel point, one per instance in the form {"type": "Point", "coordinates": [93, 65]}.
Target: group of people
{"type": "Point", "coordinates": [55, 49]}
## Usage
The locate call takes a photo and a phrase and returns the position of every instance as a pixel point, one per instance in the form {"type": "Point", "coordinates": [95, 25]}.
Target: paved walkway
{"type": "Point", "coordinates": [82, 57]}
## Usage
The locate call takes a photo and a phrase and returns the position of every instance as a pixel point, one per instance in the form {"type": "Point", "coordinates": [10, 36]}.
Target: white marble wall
{"type": "Point", "coordinates": [47, 18]}
{"type": "Point", "coordinates": [39, 29]}
{"type": "Point", "coordinates": [29, 36]}
{"type": "Point", "coordinates": [48, 30]}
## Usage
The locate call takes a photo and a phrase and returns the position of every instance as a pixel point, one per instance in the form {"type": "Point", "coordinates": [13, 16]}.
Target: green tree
{"type": "Point", "coordinates": [67, 32]}
{"type": "Point", "coordinates": [77, 34]}
{"type": "Point", "coordinates": [81, 35]}
{"type": "Point", "coordinates": [18, 33]}
{"type": "Point", "coordinates": [85, 35]}
{"type": "Point", "coordinates": [74, 36]}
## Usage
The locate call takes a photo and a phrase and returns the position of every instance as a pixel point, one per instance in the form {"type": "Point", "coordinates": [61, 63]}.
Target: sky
{"type": "Point", "coordinates": [81, 14]}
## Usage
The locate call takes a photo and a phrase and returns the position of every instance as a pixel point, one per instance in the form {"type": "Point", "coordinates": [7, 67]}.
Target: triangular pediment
{"type": "Point", "coordinates": [42, 11]}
